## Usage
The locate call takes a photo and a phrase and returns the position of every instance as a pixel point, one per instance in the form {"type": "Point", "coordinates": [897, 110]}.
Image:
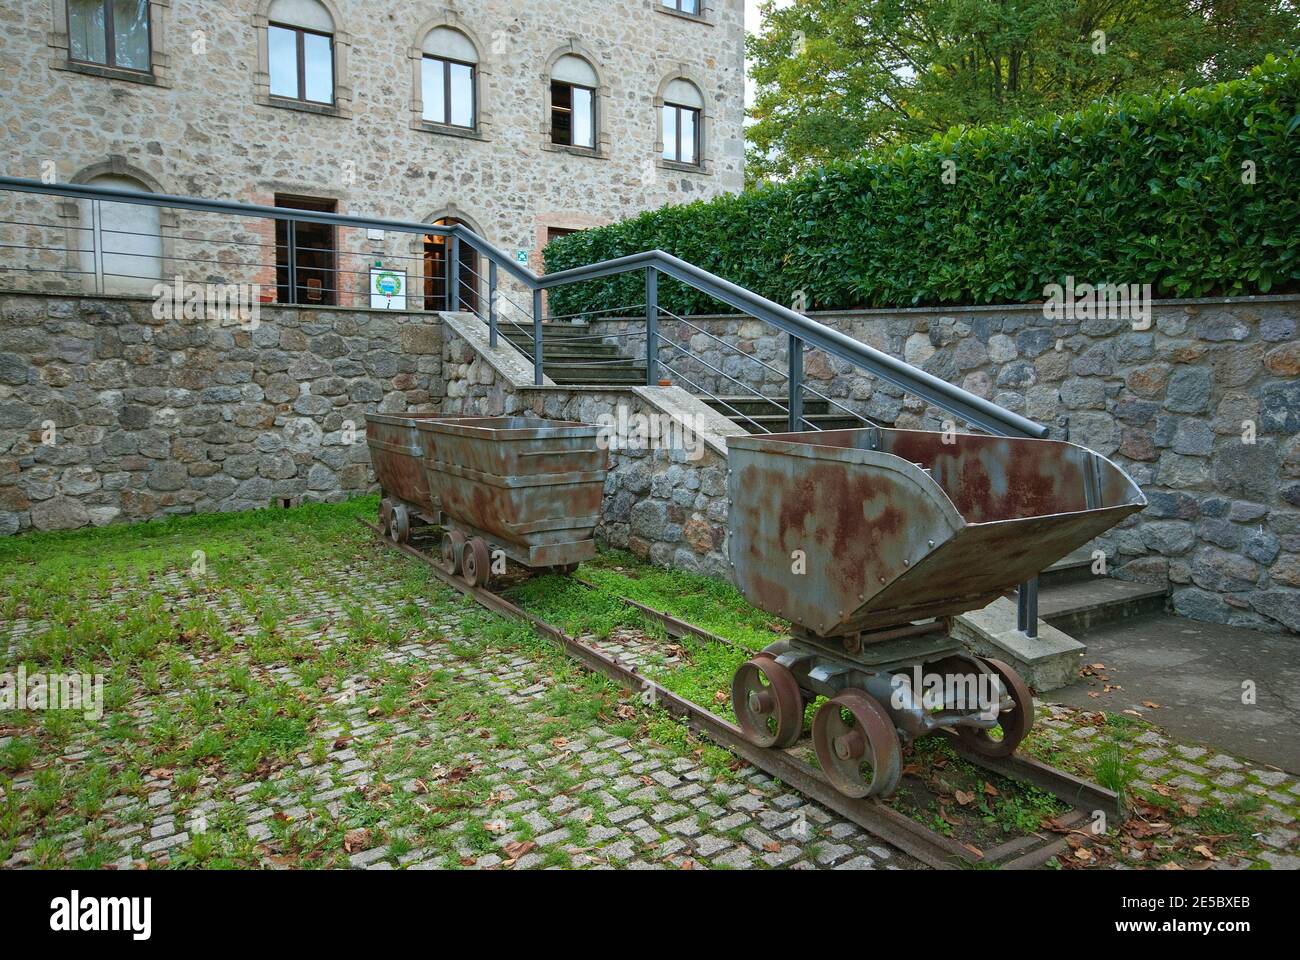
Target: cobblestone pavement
{"type": "Point", "coordinates": [1182, 773]}
{"type": "Point", "coordinates": [310, 699]}
{"type": "Point", "coordinates": [452, 751]}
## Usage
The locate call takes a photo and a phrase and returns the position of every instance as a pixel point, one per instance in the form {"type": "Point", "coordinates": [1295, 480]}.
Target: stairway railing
{"type": "Point", "coordinates": [802, 333]}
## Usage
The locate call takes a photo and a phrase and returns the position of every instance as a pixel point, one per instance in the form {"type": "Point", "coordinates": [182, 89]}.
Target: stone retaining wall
{"type": "Point", "coordinates": [1202, 409]}
{"type": "Point", "coordinates": [107, 413]}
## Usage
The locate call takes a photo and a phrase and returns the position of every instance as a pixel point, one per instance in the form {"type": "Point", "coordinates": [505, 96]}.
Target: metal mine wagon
{"type": "Point", "coordinates": [868, 541]}
{"type": "Point", "coordinates": [528, 488]}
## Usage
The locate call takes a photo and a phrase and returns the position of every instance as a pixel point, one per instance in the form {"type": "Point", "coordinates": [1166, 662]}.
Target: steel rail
{"type": "Point", "coordinates": [883, 822]}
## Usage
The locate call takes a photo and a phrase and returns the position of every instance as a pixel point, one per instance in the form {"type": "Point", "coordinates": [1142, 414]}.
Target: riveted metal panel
{"type": "Point", "coordinates": [897, 525]}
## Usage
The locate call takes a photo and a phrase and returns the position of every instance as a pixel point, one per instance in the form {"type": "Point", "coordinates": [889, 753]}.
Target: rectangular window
{"type": "Point", "coordinates": [573, 115]}
{"type": "Point", "coordinates": [301, 64]}
{"type": "Point", "coordinates": [306, 255]}
{"type": "Point", "coordinates": [448, 92]}
{"type": "Point", "coordinates": [681, 134]}
{"type": "Point", "coordinates": [685, 6]}
{"type": "Point", "coordinates": [110, 33]}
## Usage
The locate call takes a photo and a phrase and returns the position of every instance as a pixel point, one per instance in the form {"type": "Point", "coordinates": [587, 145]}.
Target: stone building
{"type": "Point", "coordinates": [519, 118]}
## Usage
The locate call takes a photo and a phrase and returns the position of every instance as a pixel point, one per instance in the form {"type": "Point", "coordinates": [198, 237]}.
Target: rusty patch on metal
{"type": "Point", "coordinates": [895, 525]}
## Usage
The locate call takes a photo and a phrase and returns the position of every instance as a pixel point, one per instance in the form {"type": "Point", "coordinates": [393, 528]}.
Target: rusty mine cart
{"type": "Point", "coordinates": [869, 542]}
{"type": "Point", "coordinates": [530, 489]}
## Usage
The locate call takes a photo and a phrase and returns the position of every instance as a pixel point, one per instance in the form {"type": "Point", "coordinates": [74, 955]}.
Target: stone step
{"type": "Point", "coordinates": [1083, 605]}
{"type": "Point", "coordinates": [565, 351]}
{"type": "Point", "coordinates": [1075, 567]}
{"type": "Point", "coordinates": [524, 329]}
{"type": "Point", "coordinates": [597, 376]}
{"type": "Point", "coordinates": [758, 406]}
{"type": "Point", "coordinates": [779, 423]}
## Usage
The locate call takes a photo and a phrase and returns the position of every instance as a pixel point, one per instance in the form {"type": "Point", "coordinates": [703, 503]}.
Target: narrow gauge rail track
{"type": "Point", "coordinates": [878, 819]}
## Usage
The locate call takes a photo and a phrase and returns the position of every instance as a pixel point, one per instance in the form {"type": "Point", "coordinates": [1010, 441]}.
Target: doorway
{"type": "Point", "coordinates": [437, 249]}
{"type": "Point", "coordinates": [306, 255]}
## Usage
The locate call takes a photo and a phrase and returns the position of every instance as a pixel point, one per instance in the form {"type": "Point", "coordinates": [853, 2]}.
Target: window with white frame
{"type": "Point", "coordinates": [683, 6]}
{"type": "Point", "coordinates": [449, 79]}
{"type": "Point", "coordinates": [574, 102]}
{"type": "Point", "coordinates": [110, 33]}
{"type": "Point", "coordinates": [300, 51]}
{"type": "Point", "coordinates": [682, 113]}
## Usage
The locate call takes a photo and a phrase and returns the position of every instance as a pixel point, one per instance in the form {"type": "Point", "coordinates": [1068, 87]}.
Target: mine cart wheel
{"type": "Point", "coordinates": [476, 563]}
{"type": "Point", "coordinates": [768, 703]}
{"type": "Point", "coordinates": [385, 515]}
{"type": "Point", "coordinates": [453, 548]}
{"type": "Point", "coordinates": [1014, 727]}
{"type": "Point", "coordinates": [399, 527]}
{"type": "Point", "coordinates": [857, 746]}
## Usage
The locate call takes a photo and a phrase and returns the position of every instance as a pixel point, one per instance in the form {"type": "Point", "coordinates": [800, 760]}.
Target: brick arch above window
{"type": "Point", "coordinates": [603, 140]}
{"type": "Point", "coordinates": [670, 92]}
{"type": "Point", "coordinates": [450, 20]}
{"type": "Point", "coordinates": [342, 47]}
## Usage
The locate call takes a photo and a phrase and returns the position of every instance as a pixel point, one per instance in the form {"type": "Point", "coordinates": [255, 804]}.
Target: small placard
{"type": "Point", "coordinates": [521, 256]}
{"type": "Point", "coordinates": [387, 289]}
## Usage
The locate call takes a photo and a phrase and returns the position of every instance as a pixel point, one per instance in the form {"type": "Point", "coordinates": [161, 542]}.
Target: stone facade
{"type": "Point", "coordinates": [107, 413]}
{"type": "Point", "coordinates": [203, 125]}
{"type": "Point", "coordinates": [1202, 410]}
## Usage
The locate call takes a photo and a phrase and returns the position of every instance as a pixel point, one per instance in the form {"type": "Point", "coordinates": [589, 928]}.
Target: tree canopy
{"type": "Point", "coordinates": [835, 77]}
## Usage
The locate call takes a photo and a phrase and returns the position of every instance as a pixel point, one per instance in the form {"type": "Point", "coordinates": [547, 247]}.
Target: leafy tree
{"type": "Point", "coordinates": [835, 77]}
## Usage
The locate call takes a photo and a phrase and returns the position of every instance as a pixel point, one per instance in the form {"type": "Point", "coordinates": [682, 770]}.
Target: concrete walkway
{"type": "Point", "coordinates": [1196, 672]}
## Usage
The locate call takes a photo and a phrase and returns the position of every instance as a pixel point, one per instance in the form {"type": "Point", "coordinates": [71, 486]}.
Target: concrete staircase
{"type": "Point", "coordinates": [1075, 600]}
{"type": "Point", "coordinates": [571, 358]}
{"type": "Point", "coordinates": [767, 414]}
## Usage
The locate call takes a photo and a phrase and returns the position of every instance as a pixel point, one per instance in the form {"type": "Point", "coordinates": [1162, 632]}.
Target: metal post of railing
{"type": "Point", "coordinates": [795, 403]}
{"type": "Point", "coordinates": [97, 241]}
{"type": "Point", "coordinates": [291, 259]}
{"type": "Point", "coordinates": [1027, 608]}
{"type": "Point", "coordinates": [453, 275]}
{"type": "Point", "coordinates": [538, 375]}
{"type": "Point", "coordinates": [492, 304]}
{"type": "Point", "coordinates": [651, 326]}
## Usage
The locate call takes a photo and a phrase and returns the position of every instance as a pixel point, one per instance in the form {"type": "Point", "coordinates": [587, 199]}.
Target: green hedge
{"type": "Point", "coordinates": [1144, 189]}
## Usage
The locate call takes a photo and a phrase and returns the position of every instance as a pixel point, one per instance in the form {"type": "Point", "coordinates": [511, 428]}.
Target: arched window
{"type": "Point", "coordinates": [449, 79]}
{"type": "Point", "coordinates": [300, 51]}
{"type": "Point", "coordinates": [682, 116]}
{"type": "Point", "coordinates": [119, 245]}
{"type": "Point", "coordinates": [574, 84]}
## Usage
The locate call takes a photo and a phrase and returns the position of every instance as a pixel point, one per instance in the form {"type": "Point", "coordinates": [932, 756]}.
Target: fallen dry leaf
{"type": "Point", "coordinates": [518, 848]}
{"type": "Point", "coordinates": [963, 797]}
{"type": "Point", "coordinates": [355, 840]}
